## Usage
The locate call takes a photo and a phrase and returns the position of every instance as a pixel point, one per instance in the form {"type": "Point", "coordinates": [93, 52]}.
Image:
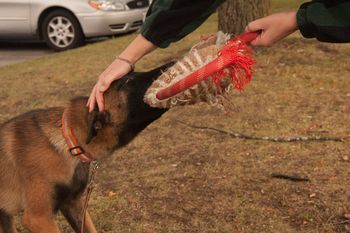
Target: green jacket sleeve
{"type": "Point", "coordinates": [326, 20]}
{"type": "Point", "coordinates": [168, 21]}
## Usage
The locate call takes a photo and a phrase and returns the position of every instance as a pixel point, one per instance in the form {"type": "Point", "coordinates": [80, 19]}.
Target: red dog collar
{"type": "Point", "coordinates": [74, 149]}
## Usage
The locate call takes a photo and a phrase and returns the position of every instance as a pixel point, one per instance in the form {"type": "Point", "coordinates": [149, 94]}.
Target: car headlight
{"type": "Point", "coordinates": [107, 5]}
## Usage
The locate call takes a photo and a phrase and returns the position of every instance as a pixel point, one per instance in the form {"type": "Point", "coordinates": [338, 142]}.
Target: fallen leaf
{"type": "Point", "coordinates": [111, 194]}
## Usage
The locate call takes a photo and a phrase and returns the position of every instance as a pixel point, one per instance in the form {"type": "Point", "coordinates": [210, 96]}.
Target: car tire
{"type": "Point", "coordinates": [62, 31]}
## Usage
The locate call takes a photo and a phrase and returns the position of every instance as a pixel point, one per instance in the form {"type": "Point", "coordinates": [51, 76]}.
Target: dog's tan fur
{"type": "Point", "coordinates": [35, 165]}
{"type": "Point", "coordinates": [34, 162]}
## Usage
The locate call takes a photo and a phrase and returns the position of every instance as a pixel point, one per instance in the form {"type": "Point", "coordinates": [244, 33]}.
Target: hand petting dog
{"type": "Point", "coordinates": [122, 65]}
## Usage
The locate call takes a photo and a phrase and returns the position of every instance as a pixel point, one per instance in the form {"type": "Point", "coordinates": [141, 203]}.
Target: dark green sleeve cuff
{"type": "Point", "coordinates": [157, 38]}
{"type": "Point", "coordinates": [169, 21]}
{"type": "Point", "coordinates": [306, 28]}
{"type": "Point", "coordinates": [154, 10]}
{"type": "Point", "coordinates": [151, 39]}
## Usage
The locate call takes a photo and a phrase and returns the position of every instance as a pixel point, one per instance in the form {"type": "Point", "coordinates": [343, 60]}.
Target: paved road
{"type": "Point", "coordinates": [15, 52]}
{"type": "Point", "coordinates": [18, 51]}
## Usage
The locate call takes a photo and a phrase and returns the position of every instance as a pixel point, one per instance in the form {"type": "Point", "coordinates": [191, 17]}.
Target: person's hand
{"type": "Point", "coordinates": [114, 71]}
{"type": "Point", "coordinates": [122, 65]}
{"type": "Point", "coordinates": [273, 28]}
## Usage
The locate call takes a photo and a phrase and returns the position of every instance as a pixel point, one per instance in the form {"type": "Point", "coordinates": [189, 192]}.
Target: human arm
{"type": "Point", "coordinates": [167, 21]}
{"type": "Point", "coordinates": [328, 21]}
{"type": "Point", "coordinates": [118, 68]}
{"type": "Point", "coordinates": [273, 28]}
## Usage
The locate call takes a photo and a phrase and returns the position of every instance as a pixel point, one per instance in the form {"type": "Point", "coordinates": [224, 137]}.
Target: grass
{"type": "Point", "coordinates": [176, 179]}
{"type": "Point", "coordinates": [283, 5]}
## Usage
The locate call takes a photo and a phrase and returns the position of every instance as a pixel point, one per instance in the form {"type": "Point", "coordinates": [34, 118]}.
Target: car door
{"type": "Point", "coordinates": [14, 19]}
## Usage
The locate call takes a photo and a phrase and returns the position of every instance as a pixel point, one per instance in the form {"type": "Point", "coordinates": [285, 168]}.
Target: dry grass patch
{"type": "Point", "coordinates": [173, 178]}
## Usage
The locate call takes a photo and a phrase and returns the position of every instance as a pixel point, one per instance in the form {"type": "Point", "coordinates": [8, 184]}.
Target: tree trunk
{"type": "Point", "coordinates": [234, 15]}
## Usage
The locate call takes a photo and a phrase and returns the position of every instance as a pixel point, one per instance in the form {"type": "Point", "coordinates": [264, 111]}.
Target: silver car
{"type": "Point", "coordinates": [64, 24]}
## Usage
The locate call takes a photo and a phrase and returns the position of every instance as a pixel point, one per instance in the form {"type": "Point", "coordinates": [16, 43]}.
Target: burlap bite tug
{"type": "Point", "coordinates": [227, 61]}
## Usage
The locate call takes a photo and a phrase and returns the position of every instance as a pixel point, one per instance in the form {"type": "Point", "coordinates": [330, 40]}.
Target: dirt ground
{"type": "Point", "coordinates": [174, 178]}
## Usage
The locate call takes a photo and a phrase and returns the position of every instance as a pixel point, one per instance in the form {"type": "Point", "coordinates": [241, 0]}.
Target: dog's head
{"type": "Point", "coordinates": [125, 113]}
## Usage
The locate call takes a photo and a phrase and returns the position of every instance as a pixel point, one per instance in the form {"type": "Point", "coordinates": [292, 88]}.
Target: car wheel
{"type": "Point", "coordinates": [62, 31]}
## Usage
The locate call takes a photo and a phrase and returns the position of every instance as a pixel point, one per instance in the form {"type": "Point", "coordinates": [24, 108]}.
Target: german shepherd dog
{"type": "Point", "coordinates": [39, 175]}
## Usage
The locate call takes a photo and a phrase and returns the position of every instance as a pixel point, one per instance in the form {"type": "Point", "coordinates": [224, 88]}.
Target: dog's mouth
{"type": "Point", "coordinates": [159, 83]}
{"type": "Point", "coordinates": [131, 90]}
{"type": "Point", "coordinates": [137, 84]}
{"type": "Point", "coordinates": [139, 114]}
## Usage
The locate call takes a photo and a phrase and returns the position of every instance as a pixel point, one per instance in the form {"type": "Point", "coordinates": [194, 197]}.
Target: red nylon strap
{"type": "Point", "coordinates": [74, 149]}
{"type": "Point", "coordinates": [248, 37]}
{"type": "Point", "coordinates": [229, 57]}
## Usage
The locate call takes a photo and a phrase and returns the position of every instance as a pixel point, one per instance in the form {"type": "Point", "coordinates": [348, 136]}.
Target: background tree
{"type": "Point", "coordinates": [234, 15]}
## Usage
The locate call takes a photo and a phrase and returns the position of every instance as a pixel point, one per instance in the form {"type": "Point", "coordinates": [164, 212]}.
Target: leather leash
{"type": "Point", "coordinates": [77, 151]}
{"type": "Point", "coordinates": [94, 167]}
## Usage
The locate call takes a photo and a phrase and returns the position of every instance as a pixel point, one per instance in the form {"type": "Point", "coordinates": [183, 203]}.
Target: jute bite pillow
{"type": "Point", "coordinates": [233, 67]}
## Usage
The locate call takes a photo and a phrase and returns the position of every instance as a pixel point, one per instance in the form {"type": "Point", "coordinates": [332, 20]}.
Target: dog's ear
{"type": "Point", "coordinates": [96, 121]}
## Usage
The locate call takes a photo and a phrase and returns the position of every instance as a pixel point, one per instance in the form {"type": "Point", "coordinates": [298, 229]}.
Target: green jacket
{"type": "Point", "coordinates": [327, 20]}
{"type": "Point", "coordinates": [168, 21]}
